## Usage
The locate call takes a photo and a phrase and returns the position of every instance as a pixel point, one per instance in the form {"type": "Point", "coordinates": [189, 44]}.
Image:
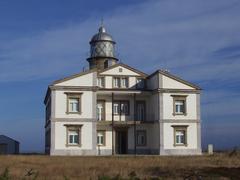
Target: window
{"type": "Point", "coordinates": [140, 83]}
{"type": "Point", "coordinates": [121, 107]}
{"type": "Point", "coordinates": [100, 110]}
{"type": "Point", "coordinates": [124, 82]}
{"type": "Point", "coordinates": [120, 82]}
{"type": "Point", "coordinates": [141, 138]}
{"type": "Point", "coordinates": [116, 109]}
{"type": "Point", "coordinates": [100, 82]}
{"type": "Point", "coordinates": [179, 105]}
{"type": "Point", "coordinates": [116, 82]}
{"type": "Point", "coordinates": [73, 103]}
{"type": "Point", "coordinates": [180, 135]}
{"type": "Point", "coordinates": [100, 138]}
{"type": "Point", "coordinates": [73, 135]}
{"type": "Point", "coordinates": [124, 107]}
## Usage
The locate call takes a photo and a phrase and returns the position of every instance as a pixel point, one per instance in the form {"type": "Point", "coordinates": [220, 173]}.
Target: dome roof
{"type": "Point", "coordinates": [102, 36]}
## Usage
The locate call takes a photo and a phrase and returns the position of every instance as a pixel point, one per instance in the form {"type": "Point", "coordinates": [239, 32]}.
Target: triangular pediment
{"type": "Point", "coordinates": [170, 81]}
{"type": "Point", "coordinates": [81, 79]}
{"type": "Point", "coordinates": [122, 69]}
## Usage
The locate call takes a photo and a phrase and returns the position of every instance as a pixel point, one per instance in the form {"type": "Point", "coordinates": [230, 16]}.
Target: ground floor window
{"type": "Point", "coordinates": [73, 135]}
{"type": "Point", "coordinates": [141, 138]}
{"type": "Point", "coordinates": [180, 135]}
{"type": "Point", "coordinates": [100, 138]}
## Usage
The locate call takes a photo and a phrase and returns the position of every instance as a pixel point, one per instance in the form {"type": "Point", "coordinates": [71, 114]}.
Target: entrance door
{"type": "Point", "coordinates": [100, 111]}
{"type": "Point", "coordinates": [140, 110]}
{"type": "Point", "coordinates": [3, 148]}
{"type": "Point", "coordinates": [121, 142]}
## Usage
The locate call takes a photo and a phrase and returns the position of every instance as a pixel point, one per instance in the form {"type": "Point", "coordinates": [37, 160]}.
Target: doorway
{"type": "Point", "coordinates": [121, 142]}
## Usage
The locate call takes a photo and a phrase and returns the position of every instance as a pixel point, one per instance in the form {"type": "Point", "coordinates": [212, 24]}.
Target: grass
{"type": "Point", "coordinates": [218, 166]}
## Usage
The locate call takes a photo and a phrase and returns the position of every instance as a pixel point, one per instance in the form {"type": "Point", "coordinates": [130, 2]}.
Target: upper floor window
{"type": "Point", "coordinates": [120, 82]}
{"type": "Point", "coordinates": [124, 82]}
{"type": "Point", "coordinates": [121, 107]}
{"type": "Point", "coordinates": [100, 82]}
{"type": "Point", "coordinates": [116, 108]}
{"type": "Point", "coordinates": [140, 83]}
{"type": "Point", "coordinates": [179, 105]}
{"type": "Point", "coordinates": [73, 103]}
{"type": "Point", "coordinates": [116, 82]}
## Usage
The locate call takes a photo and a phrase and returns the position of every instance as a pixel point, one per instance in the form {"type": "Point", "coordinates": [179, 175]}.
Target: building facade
{"type": "Point", "coordinates": [8, 145]}
{"type": "Point", "coordinates": [113, 108]}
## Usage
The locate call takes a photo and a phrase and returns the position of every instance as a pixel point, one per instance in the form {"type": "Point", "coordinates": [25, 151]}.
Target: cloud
{"type": "Point", "coordinates": [180, 36]}
{"type": "Point", "coordinates": [198, 40]}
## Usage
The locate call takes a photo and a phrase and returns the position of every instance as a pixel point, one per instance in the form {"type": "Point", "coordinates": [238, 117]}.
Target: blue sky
{"type": "Point", "coordinates": [41, 41]}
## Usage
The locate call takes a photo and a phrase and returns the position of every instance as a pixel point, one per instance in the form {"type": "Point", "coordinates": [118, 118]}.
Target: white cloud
{"type": "Point", "coordinates": [187, 37]}
{"type": "Point", "coordinates": [156, 34]}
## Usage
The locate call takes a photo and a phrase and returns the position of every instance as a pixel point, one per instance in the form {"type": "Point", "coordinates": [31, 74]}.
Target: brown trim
{"type": "Point", "coordinates": [74, 88]}
{"type": "Point", "coordinates": [124, 89]}
{"type": "Point", "coordinates": [125, 66]}
{"type": "Point", "coordinates": [145, 134]}
{"type": "Point", "coordinates": [165, 90]}
{"type": "Point", "coordinates": [74, 96]}
{"type": "Point", "coordinates": [180, 128]}
{"type": "Point", "coordinates": [104, 137]}
{"type": "Point", "coordinates": [73, 127]}
{"type": "Point", "coordinates": [179, 98]}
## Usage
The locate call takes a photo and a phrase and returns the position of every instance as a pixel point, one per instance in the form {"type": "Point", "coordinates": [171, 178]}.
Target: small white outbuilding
{"type": "Point", "coordinates": [8, 145]}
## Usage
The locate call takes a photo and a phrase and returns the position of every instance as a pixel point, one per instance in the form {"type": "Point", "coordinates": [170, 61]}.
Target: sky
{"type": "Point", "coordinates": [42, 41]}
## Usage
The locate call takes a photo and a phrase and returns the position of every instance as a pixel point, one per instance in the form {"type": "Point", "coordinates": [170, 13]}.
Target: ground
{"type": "Point", "coordinates": [218, 166]}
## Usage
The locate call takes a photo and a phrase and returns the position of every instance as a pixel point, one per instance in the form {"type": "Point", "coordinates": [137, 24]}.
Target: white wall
{"type": "Point", "coordinates": [191, 106]}
{"type": "Point", "coordinates": [61, 105]}
{"type": "Point", "coordinates": [83, 80]}
{"type": "Point", "coordinates": [124, 72]}
{"type": "Point", "coordinates": [108, 141]}
{"type": "Point", "coordinates": [61, 136]}
{"type": "Point", "coordinates": [169, 136]}
{"type": "Point", "coordinates": [169, 83]}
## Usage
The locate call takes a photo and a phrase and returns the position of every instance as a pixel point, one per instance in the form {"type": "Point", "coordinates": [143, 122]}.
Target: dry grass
{"type": "Point", "coordinates": [218, 166]}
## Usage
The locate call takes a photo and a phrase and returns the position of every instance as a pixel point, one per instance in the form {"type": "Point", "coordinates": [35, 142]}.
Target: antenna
{"type": "Point", "coordinates": [101, 22]}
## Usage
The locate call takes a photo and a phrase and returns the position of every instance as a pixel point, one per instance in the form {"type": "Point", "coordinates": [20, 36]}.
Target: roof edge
{"type": "Point", "coordinates": [177, 78]}
{"type": "Point", "coordinates": [127, 67]}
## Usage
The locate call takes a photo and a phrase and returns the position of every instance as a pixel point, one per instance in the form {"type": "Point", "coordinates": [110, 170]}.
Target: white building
{"type": "Point", "coordinates": [115, 109]}
{"type": "Point", "coordinates": [8, 145]}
